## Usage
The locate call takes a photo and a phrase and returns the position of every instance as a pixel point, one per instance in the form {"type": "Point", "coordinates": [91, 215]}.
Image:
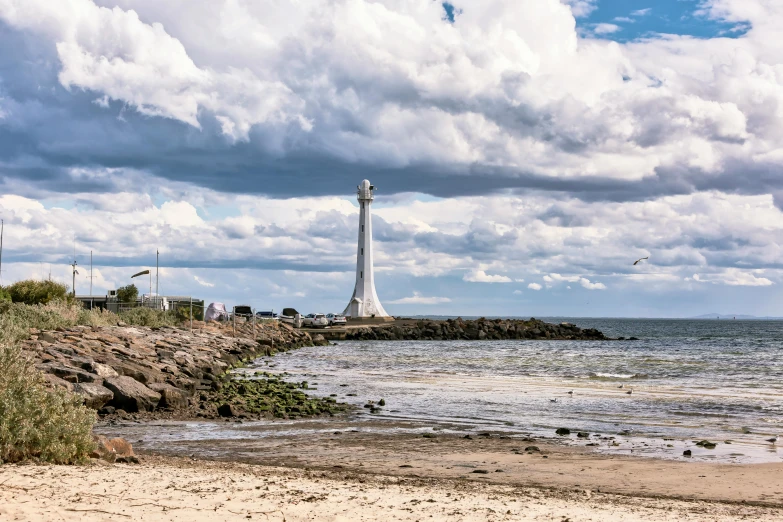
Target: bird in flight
{"type": "Point", "coordinates": [640, 259]}
{"type": "Point", "coordinates": [773, 440]}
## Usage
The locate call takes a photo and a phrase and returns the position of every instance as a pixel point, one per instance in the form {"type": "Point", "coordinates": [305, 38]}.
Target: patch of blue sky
{"type": "Point", "coordinates": [215, 212]}
{"type": "Point", "coordinates": [627, 20]}
{"type": "Point", "coordinates": [65, 203]}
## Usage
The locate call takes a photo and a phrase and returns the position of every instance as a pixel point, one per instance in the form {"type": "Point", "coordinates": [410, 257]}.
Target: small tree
{"type": "Point", "coordinates": [127, 294]}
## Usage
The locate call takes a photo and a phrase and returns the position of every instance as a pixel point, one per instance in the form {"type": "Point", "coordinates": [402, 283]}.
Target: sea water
{"type": "Point", "coordinates": [719, 380]}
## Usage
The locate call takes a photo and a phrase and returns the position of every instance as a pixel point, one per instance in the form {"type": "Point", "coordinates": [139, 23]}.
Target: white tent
{"type": "Point", "coordinates": [216, 312]}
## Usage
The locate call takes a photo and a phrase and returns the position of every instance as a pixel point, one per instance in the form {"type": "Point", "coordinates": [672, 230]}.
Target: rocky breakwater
{"type": "Point", "coordinates": [167, 371]}
{"type": "Point", "coordinates": [479, 329]}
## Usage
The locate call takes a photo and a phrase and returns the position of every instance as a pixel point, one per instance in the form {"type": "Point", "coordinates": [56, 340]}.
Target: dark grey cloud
{"type": "Point", "coordinates": [49, 131]}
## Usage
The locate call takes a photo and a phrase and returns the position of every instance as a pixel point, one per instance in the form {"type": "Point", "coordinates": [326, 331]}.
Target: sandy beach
{"type": "Point", "coordinates": [355, 475]}
{"type": "Point", "coordinates": [166, 488]}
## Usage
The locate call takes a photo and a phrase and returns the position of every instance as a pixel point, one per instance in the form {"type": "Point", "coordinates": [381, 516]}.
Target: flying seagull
{"type": "Point", "coordinates": [640, 259]}
{"type": "Point", "coordinates": [774, 439]}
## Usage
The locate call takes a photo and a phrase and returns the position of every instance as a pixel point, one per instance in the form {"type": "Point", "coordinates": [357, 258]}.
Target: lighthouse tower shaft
{"type": "Point", "coordinates": [364, 301]}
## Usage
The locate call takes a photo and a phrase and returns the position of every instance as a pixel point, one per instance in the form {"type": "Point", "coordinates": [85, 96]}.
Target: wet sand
{"type": "Point", "coordinates": [379, 449]}
{"type": "Point", "coordinates": [169, 489]}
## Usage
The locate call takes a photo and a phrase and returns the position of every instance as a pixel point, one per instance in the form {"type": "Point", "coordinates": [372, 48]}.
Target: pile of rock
{"type": "Point", "coordinates": [141, 369]}
{"type": "Point", "coordinates": [479, 329]}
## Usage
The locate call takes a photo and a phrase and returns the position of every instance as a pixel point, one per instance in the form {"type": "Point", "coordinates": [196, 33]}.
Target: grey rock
{"type": "Point", "coordinates": [170, 396]}
{"type": "Point", "coordinates": [95, 396]}
{"type": "Point", "coordinates": [131, 395]}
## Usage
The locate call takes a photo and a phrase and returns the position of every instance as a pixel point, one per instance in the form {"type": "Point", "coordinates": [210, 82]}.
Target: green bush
{"type": "Point", "coordinates": [127, 294]}
{"type": "Point", "coordinates": [143, 316]}
{"type": "Point", "coordinates": [37, 422]}
{"type": "Point", "coordinates": [33, 292]}
{"type": "Point", "coordinates": [4, 295]}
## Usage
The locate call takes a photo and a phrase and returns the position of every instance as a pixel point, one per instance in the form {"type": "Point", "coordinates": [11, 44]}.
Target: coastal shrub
{"type": "Point", "coordinates": [127, 294]}
{"type": "Point", "coordinates": [37, 422]}
{"type": "Point", "coordinates": [16, 319]}
{"type": "Point", "coordinates": [143, 316]}
{"type": "Point", "coordinates": [33, 292]}
{"type": "Point", "coordinates": [4, 295]}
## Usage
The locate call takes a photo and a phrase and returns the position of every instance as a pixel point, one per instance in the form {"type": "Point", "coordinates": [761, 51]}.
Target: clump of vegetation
{"type": "Point", "coordinates": [37, 422]}
{"type": "Point", "coordinates": [33, 292]}
{"type": "Point", "coordinates": [16, 319]}
{"type": "Point", "coordinates": [5, 297]}
{"type": "Point", "coordinates": [267, 394]}
{"type": "Point", "coordinates": [127, 294]}
{"type": "Point", "coordinates": [143, 316]}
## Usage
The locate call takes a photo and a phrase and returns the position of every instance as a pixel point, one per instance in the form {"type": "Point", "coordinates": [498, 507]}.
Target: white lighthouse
{"type": "Point", "coordinates": [364, 301]}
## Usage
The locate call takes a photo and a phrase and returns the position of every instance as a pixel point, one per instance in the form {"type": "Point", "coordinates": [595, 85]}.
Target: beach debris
{"type": "Point", "coordinates": [582, 435]}
{"type": "Point", "coordinates": [468, 437]}
{"type": "Point", "coordinates": [571, 393]}
{"type": "Point", "coordinates": [113, 450]}
{"type": "Point", "coordinates": [686, 453]}
{"type": "Point", "coordinates": [382, 402]}
{"type": "Point", "coordinates": [406, 466]}
{"type": "Point", "coordinates": [706, 444]}
{"type": "Point", "coordinates": [553, 400]}
{"type": "Point", "coordinates": [480, 471]}
{"type": "Point", "coordinates": [533, 449]}
{"type": "Point", "coordinates": [563, 431]}
{"type": "Point", "coordinates": [429, 435]}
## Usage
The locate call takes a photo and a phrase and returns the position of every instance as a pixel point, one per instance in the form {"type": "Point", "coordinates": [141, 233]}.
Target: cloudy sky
{"type": "Point", "coordinates": [526, 151]}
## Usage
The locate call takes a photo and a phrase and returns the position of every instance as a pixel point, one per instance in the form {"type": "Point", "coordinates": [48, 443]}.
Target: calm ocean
{"type": "Point", "coordinates": [691, 379]}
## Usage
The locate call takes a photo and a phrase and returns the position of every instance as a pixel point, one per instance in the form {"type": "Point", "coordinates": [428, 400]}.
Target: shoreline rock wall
{"type": "Point", "coordinates": [479, 329]}
{"type": "Point", "coordinates": [138, 369]}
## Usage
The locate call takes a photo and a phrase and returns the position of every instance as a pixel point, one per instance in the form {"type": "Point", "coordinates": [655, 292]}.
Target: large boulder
{"type": "Point", "coordinates": [170, 396]}
{"type": "Point", "coordinates": [131, 395]}
{"type": "Point", "coordinates": [94, 395]}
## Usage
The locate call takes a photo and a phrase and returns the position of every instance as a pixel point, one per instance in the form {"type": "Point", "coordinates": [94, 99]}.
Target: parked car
{"type": "Point", "coordinates": [292, 317]}
{"type": "Point", "coordinates": [335, 319]}
{"type": "Point", "coordinates": [315, 321]}
{"type": "Point", "coordinates": [243, 312]}
{"type": "Point", "coordinates": [266, 316]}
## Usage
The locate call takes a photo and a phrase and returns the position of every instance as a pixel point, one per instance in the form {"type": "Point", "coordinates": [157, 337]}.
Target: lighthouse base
{"type": "Point", "coordinates": [368, 320]}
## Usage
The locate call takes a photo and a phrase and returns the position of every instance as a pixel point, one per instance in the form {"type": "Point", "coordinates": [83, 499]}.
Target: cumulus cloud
{"type": "Point", "coordinates": [332, 84]}
{"type": "Point", "coordinates": [552, 155]}
{"type": "Point", "coordinates": [534, 286]}
{"type": "Point", "coordinates": [479, 276]}
{"type": "Point", "coordinates": [591, 286]}
{"type": "Point", "coordinates": [417, 298]}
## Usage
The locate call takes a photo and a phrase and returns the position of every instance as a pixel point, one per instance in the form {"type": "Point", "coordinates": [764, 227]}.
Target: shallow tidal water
{"type": "Point", "coordinates": [720, 380]}
{"type": "Point", "coordinates": [691, 379]}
